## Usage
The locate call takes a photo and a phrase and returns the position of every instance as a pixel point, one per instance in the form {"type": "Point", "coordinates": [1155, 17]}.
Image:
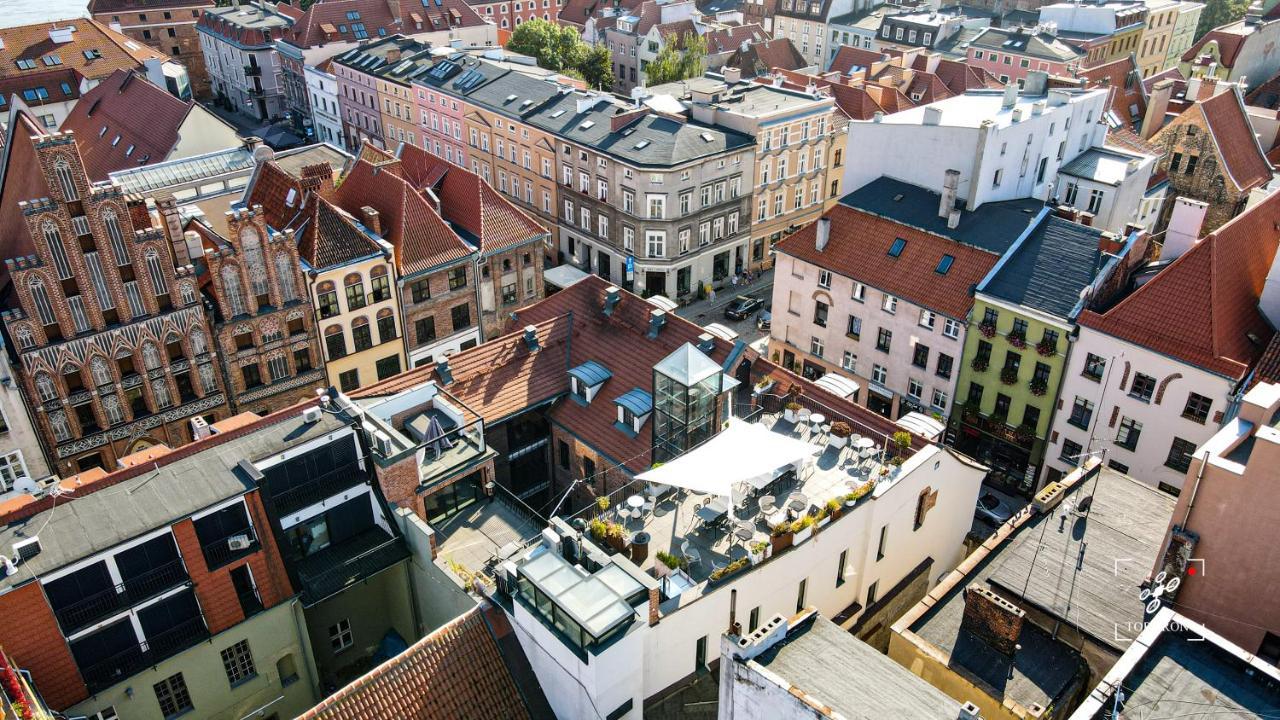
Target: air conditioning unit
{"type": "Point", "coordinates": [311, 415]}
{"type": "Point", "coordinates": [506, 577]}
{"type": "Point", "coordinates": [239, 542]}
{"type": "Point", "coordinates": [382, 443]}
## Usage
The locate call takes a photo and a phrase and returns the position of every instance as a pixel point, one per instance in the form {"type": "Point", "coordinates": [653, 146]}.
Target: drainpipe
{"type": "Point", "coordinates": [1191, 501]}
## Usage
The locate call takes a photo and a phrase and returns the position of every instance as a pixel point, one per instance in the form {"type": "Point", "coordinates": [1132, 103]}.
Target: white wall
{"type": "Point", "coordinates": [1160, 422]}
{"type": "Point", "coordinates": [1121, 204]}
{"type": "Point", "coordinates": [895, 146]}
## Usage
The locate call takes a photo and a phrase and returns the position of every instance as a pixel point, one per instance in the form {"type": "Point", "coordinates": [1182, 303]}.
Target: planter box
{"type": "Point", "coordinates": [778, 543]}
{"type": "Point", "coordinates": [802, 535]}
{"type": "Point", "coordinates": [789, 415]}
{"type": "Point", "coordinates": [823, 521]}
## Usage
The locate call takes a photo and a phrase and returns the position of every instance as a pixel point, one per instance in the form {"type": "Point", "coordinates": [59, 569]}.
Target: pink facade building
{"type": "Point", "coordinates": [1011, 53]}
{"type": "Point", "coordinates": [440, 119]}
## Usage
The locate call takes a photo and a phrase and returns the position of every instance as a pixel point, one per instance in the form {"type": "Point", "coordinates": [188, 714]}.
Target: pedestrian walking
{"type": "Point", "coordinates": [712, 294]}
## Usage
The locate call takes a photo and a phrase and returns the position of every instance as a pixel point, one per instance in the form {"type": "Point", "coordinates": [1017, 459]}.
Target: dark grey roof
{"type": "Point", "coordinates": [853, 678]}
{"type": "Point", "coordinates": [1026, 42]}
{"type": "Point", "coordinates": [1050, 269]}
{"type": "Point", "coordinates": [1100, 165]}
{"type": "Point", "coordinates": [78, 527]}
{"type": "Point", "coordinates": [1115, 548]}
{"type": "Point", "coordinates": [992, 227]}
{"type": "Point", "coordinates": [1185, 675]}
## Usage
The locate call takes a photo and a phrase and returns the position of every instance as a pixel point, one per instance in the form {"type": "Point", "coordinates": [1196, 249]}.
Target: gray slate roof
{"type": "Point", "coordinates": [1050, 268]}
{"type": "Point", "coordinates": [850, 676]}
{"type": "Point", "coordinates": [1115, 547]}
{"type": "Point", "coordinates": [78, 527]}
{"type": "Point", "coordinates": [1100, 165]}
{"type": "Point", "coordinates": [992, 227]}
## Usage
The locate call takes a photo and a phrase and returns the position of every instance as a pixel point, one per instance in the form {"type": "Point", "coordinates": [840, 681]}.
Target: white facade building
{"type": "Point", "coordinates": [1109, 184]}
{"type": "Point", "coordinates": [1005, 145]}
{"type": "Point", "coordinates": [326, 116]}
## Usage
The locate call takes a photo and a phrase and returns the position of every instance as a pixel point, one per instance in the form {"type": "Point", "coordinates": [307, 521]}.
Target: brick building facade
{"type": "Point", "coordinates": [111, 338]}
{"type": "Point", "coordinates": [263, 323]}
{"type": "Point", "coordinates": [166, 25]}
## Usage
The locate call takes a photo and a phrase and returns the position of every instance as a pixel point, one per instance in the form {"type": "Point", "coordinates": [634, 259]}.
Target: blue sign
{"type": "Point", "coordinates": [631, 264]}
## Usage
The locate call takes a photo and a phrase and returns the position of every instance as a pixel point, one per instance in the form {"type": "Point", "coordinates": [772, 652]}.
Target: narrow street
{"type": "Point", "coordinates": [704, 312]}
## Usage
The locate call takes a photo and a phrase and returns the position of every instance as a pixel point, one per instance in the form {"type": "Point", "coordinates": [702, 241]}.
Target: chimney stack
{"type": "Point", "coordinates": [950, 188]}
{"type": "Point", "coordinates": [932, 115]}
{"type": "Point", "coordinates": [823, 233]}
{"type": "Point", "coordinates": [1184, 227]}
{"type": "Point", "coordinates": [611, 297]}
{"type": "Point", "coordinates": [732, 75]}
{"type": "Point", "coordinates": [1157, 106]}
{"type": "Point", "coordinates": [1010, 96]}
{"type": "Point", "coordinates": [371, 220]}
{"type": "Point", "coordinates": [992, 619]}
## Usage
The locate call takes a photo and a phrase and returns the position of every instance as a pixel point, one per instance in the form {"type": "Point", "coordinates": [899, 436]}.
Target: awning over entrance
{"type": "Point", "coordinates": [922, 425]}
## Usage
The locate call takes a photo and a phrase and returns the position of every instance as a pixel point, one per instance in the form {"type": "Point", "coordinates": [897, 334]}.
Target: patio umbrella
{"type": "Point", "coordinates": [436, 437]}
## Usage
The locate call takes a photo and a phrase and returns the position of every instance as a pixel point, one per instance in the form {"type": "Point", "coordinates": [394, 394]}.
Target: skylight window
{"type": "Point", "coordinates": [52, 60]}
{"type": "Point", "coordinates": [896, 248]}
{"type": "Point", "coordinates": [706, 137]}
{"type": "Point", "coordinates": [103, 131]}
{"type": "Point", "coordinates": [642, 144]}
{"type": "Point", "coordinates": [587, 125]}
{"type": "Point", "coordinates": [557, 113]}
{"type": "Point", "coordinates": [944, 264]}
{"type": "Point", "coordinates": [92, 54]}
{"type": "Point", "coordinates": [116, 141]}
{"type": "Point", "coordinates": [290, 197]}
{"type": "Point", "coordinates": [510, 98]}
{"type": "Point", "coordinates": [25, 64]}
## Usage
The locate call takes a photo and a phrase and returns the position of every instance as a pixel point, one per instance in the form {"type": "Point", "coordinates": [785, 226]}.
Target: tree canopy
{"type": "Point", "coordinates": [679, 59]}
{"type": "Point", "coordinates": [560, 48]}
{"type": "Point", "coordinates": [1217, 13]}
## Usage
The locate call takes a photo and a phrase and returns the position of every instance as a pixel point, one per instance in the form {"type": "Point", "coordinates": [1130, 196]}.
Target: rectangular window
{"type": "Point", "coordinates": [872, 594]}
{"type": "Point", "coordinates": [854, 329]}
{"type": "Point", "coordinates": [943, 368]}
{"type": "Point", "coordinates": [1130, 431]}
{"type": "Point", "coordinates": [889, 304]}
{"type": "Point", "coordinates": [355, 295]}
{"type": "Point", "coordinates": [172, 695]}
{"type": "Point", "coordinates": [460, 315]}
{"type": "Point", "coordinates": [844, 558]}
{"type": "Point", "coordinates": [820, 314]}
{"type": "Point", "coordinates": [816, 347]}
{"type": "Point", "coordinates": [1071, 451]}
{"type": "Point", "coordinates": [1142, 388]}
{"type": "Point", "coordinates": [237, 661]}
{"type": "Point", "coordinates": [700, 653]}
{"type": "Point", "coordinates": [926, 319]}
{"type": "Point", "coordinates": [883, 339]}
{"type": "Point", "coordinates": [1081, 413]}
{"type": "Point", "coordinates": [340, 636]}
{"type": "Point", "coordinates": [328, 304]}
{"type": "Point", "coordinates": [800, 594]}
{"type": "Point", "coordinates": [1197, 409]}
{"type": "Point", "coordinates": [1094, 367]}
{"type": "Point", "coordinates": [920, 356]}
{"type": "Point", "coordinates": [1180, 454]}
{"type": "Point", "coordinates": [424, 329]}
{"type": "Point", "coordinates": [879, 374]}
{"type": "Point", "coordinates": [883, 542]}
{"type": "Point", "coordinates": [1001, 410]}
{"type": "Point", "coordinates": [457, 278]}
{"type": "Point", "coordinates": [951, 328]}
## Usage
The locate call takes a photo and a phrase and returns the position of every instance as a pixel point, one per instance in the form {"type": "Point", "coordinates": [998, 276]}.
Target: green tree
{"type": "Point", "coordinates": [1217, 13]}
{"type": "Point", "coordinates": [679, 59]}
{"type": "Point", "coordinates": [597, 67]}
{"type": "Point", "coordinates": [555, 47]}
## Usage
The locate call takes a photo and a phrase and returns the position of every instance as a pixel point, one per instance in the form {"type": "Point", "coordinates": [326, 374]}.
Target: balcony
{"type": "Point", "coordinates": [230, 548]}
{"type": "Point", "coordinates": [152, 651]}
{"type": "Point", "coordinates": [316, 489]}
{"type": "Point", "coordinates": [337, 567]}
{"type": "Point", "coordinates": [253, 71]}
{"type": "Point", "coordinates": [132, 591]}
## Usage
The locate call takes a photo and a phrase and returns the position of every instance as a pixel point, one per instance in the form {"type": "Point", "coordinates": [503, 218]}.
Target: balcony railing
{"type": "Point", "coordinates": [230, 548]}
{"type": "Point", "coordinates": [253, 70]}
{"type": "Point", "coordinates": [151, 651]}
{"type": "Point", "coordinates": [136, 589]}
{"type": "Point", "coordinates": [317, 489]}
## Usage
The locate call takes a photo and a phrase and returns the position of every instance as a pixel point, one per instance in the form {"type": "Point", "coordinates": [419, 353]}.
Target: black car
{"type": "Point", "coordinates": [742, 307]}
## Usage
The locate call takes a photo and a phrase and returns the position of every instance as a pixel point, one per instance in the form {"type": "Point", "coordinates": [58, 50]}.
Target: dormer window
{"type": "Point", "coordinates": [586, 380]}
{"type": "Point", "coordinates": [634, 408]}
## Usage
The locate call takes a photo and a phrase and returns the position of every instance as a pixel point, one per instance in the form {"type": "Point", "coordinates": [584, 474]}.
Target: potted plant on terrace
{"type": "Point", "coordinates": [840, 432]}
{"type": "Point", "coordinates": [801, 529]}
{"type": "Point", "coordinates": [721, 573]}
{"type": "Point", "coordinates": [902, 441]}
{"type": "Point", "coordinates": [758, 551]}
{"type": "Point", "coordinates": [670, 562]}
{"type": "Point", "coordinates": [763, 386]}
{"type": "Point", "coordinates": [790, 410]}
{"type": "Point", "coordinates": [781, 537]}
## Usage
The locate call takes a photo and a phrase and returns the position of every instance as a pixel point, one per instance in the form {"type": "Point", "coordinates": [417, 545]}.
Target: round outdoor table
{"type": "Point", "coordinates": [767, 504]}
{"type": "Point", "coordinates": [744, 532]}
{"type": "Point", "coordinates": [865, 443]}
{"type": "Point", "coordinates": [817, 419]}
{"type": "Point", "coordinates": [635, 502]}
{"type": "Point", "coordinates": [798, 503]}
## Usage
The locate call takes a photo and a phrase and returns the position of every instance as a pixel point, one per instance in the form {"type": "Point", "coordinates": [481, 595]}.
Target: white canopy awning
{"type": "Point", "coordinates": [742, 453]}
{"type": "Point", "coordinates": [922, 425]}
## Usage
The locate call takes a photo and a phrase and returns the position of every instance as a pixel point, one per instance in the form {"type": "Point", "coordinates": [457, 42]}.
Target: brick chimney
{"type": "Point", "coordinates": [992, 619]}
{"type": "Point", "coordinates": [371, 220]}
{"type": "Point", "coordinates": [317, 178]}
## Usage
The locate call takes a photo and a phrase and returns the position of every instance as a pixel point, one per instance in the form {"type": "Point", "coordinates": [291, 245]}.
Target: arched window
{"type": "Point", "coordinates": [156, 271]}
{"type": "Point", "coordinates": [112, 222]}
{"type": "Point", "coordinates": [380, 282]}
{"type": "Point", "coordinates": [231, 287]}
{"type": "Point", "coordinates": [355, 291]}
{"type": "Point", "coordinates": [62, 171]}
{"type": "Point", "coordinates": [100, 371]}
{"type": "Point", "coordinates": [160, 389]}
{"type": "Point", "coordinates": [53, 241]}
{"type": "Point", "coordinates": [360, 334]}
{"type": "Point", "coordinates": [150, 355]}
{"type": "Point", "coordinates": [251, 247]}
{"type": "Point", "coordinates": [40, 298]}
{"type": "Point", "coordinates": [335, 342]}
{"type": "Point", "coordinates": [284, 273]}
{"type": "Point", "coordinates": [45, 387]}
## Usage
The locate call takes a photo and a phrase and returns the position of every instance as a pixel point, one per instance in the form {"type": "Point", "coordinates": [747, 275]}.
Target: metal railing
{"type": "Point", "coordinates": [151, 651]}
{"type": "Point", "coordinates": [319, 585]}
{"type": "Point", "coordinates": [114, 599]}
{"type": "Point", "coordinates": [317, 489]}
{"type": "Point", "coordinates": [219, 552]}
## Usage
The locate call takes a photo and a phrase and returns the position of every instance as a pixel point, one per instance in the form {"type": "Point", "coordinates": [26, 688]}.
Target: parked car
{"type": "Point", "coordinates": [764, 321]}
{"type": "Point", "coordinates": [993, 509]}
{"type": "Point", "coordinates": [742, 307]}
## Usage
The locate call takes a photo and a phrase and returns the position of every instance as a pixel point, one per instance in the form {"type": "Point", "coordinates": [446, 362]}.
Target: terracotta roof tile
{"type": "Point", "coordinates": [124, 122]}
{"type": "Point", "coordinates": [455, 672]}
{"type": "Point", "coordinates": [1203, 307]}
{"type": "Point", "coordinates": [1127, 98]}
{"type": "Point", "coordinates": [108, 50]}
{"type": "Point", "coordinates": [22, 180]}
{"type": "Point", "coordinates": [1238, 147]}
{"type": "Point", "coordinates": [325, 22]}
{"type": "Point", "coordinates": [728, 39]}
{"type": "Point", "coordinates": [859, 248]}
{"type": "Point", "coordinates": [956, 75]}
{"type": "Point", "coordinates": [761, 57]}
{"type": "Point", "coordinates": [1230, 39]}
{"type": "Point", "coordinates": [331, 237]}
{"type": "Point", "coordinates": [849, 57]}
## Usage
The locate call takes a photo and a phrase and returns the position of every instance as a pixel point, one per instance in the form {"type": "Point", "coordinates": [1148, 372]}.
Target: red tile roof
{"type": "Point", "coordinates": [417, 16]}
{"type": "Point", "coordinates": [859, 248]}
{"type": "Point", "coordinates": [124, 122]}
{"type": "Point", "coordinates": [759, 58]}
{"type": "Point", "coordinates": [956, 75]}
{"type": "Point", "coordinates": [1124, 81]}
{"type": "Point", "coordinates": [109, 6]}
{"type": "Point", "coordinates": [455, 672]}
{"type": "Point", "coordinates": [728, 39]}
{"type": "Point", "coordinates": [1230, 39]}
{"type": "Point", "coordinates": [1266, 95]}
{"type": "Point", "coordinates": [848, 57]}
{"type": "Point", "coordinates": [32, 42]}
{"type": "Point", "coordinates": [493, 221]}
{"type": "Point", "coordinates": [22, 180]}
{"type": "Point", "coordinates": [1203, 308]}
{"type": "Point", "coordinates": [325, 22]}
{"type": "Point", "coordinates": [331, 237]}
{"type": "Point", "coordinates": [421, 238]}
{"type": "Point", "coordinates": [1238, 147]}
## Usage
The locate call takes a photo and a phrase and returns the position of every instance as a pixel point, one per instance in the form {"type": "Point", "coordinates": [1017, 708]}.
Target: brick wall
{"type": "Point", "coordinates": [1189, 135]}
{"type": "Point", "coordinates": [399, 483]}
{"type": "Point", "coordinates": [32, 637]}
{"type": "Point", "coordinates": [606, 479]}
{"type": "Point", "coordinates": [439, 306]}
{"type": "Point", "coordinates": [994, 620]}
{"type": "Point", "coordinates": [521, 261]}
